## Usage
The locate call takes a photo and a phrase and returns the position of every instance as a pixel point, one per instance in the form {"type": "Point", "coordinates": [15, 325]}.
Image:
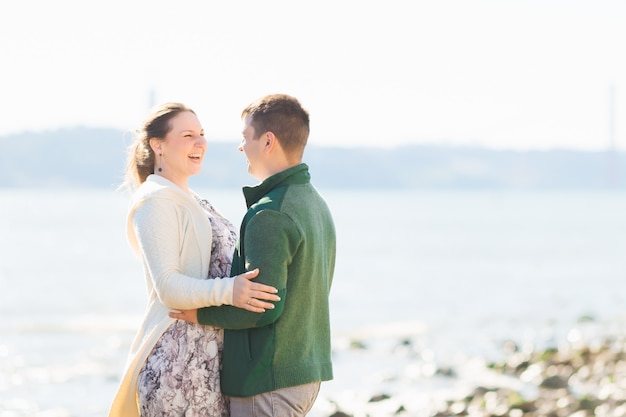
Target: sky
{"type": "Point", "coordinates": [505, 74]}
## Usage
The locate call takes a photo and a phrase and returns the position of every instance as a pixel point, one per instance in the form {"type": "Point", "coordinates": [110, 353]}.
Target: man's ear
{"type": "Point", "coordinates": [270, 141]}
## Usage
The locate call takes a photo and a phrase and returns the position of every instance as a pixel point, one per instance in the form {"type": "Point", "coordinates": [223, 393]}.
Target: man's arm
{"type": "Point", "coordinates": [270, 240]}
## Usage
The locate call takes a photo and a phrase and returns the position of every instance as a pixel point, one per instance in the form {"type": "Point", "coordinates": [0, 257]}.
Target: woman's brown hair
{"type": "Point", "coordinates": [140, 156]}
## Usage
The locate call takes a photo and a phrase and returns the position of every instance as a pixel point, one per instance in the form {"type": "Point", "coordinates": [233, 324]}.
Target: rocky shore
{"type": "Point", "coordinates": [577, 377]}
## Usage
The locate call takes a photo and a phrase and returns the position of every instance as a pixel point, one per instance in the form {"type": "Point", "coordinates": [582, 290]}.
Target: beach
{"type": "Point", "coordinates": [443, 303]}
{"type": "Point", "coordinates": [582, 375]}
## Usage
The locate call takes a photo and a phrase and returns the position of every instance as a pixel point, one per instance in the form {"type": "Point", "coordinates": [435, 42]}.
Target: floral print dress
{"type": "Point", "coordinates": [181, 376]}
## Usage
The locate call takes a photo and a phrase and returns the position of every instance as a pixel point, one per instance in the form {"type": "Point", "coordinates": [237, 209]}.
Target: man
{"type": "Point", "coordinates": [274, 362]}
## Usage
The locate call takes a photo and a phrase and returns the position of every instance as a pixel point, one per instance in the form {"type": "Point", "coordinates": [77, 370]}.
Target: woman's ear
{"type": "Point", "coordinates": [155, 144]}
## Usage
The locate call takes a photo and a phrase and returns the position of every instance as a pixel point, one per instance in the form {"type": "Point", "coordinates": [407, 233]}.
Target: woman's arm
{"type": "Point", "coordinates": [156, 226]}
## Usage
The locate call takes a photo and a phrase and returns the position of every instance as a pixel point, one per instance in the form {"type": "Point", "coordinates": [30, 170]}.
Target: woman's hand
{"type": "Point", "coordinates": [188, 315]}
{"type": "Point", "coordinates": [251, 295]}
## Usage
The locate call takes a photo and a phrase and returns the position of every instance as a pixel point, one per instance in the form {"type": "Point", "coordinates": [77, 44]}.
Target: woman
{"type": "Point", "coordinates": [186, 249]}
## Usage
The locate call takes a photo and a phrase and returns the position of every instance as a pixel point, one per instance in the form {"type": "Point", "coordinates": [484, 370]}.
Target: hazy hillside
{"type": "Point", "coordinates": [83, 157]}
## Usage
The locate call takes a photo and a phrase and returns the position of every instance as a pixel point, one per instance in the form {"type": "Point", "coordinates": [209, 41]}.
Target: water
{"type": "Point", "coordinates": [459, 271]}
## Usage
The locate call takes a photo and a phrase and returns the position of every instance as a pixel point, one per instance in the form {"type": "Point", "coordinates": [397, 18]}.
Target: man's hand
{"type": "Point", "coordinates": [250, 295]}
{"type": "Point", "coordinates": [188, 315]}
{"type": "Point", "coordinates": [246, 294]}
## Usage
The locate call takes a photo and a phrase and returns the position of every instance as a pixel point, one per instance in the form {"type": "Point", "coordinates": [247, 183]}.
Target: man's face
{"type": "Point", "coordinates": [252, 147]}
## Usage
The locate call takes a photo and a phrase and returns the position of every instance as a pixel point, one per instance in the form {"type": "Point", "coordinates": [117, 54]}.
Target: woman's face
{"type": "Point", "coordinates": [180, 155]}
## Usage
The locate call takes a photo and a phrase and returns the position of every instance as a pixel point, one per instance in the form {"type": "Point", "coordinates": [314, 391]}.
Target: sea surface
{"type": "Point", "coordinates": [457, 272]}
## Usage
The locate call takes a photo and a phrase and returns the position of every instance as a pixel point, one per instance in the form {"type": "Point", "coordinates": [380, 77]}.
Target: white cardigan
{"type": "Point", "coordinates": [171, 234]}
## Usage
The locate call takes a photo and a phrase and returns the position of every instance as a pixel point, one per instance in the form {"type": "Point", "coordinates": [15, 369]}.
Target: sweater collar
{"type": "Point", "coordinates": [298, 174]}
{"type": "Point", "coordinates": [156, 185]}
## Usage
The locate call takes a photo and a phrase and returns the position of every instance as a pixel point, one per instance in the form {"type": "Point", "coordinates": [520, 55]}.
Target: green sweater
{"type": "Point", "coordinates": [288, 233]}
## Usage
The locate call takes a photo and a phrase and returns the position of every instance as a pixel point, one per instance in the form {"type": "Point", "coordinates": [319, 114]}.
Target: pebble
{"type": "Point", "coordinates": [575, 380]}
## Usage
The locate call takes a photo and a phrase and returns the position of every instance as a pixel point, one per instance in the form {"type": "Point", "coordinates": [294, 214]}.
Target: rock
{"type": "Point", "coordinates": [586, 319]}
{"type": "Point", "coordinates": [340, 414]}
{"type": "Point", "coordinates": [510, 347]}
{"type": "Point", "coordinates": [588, 404]}
{"type": "Point", "coordinates": [406, 342]}
{"type": "Point", "coordinates": [554, 382]}
{"type": "Point", "coordinates": [446, 371]}
{"type": "Point", "coordinates": [379, 397]}
{"type": "Point", "coordinates": [526, 406]}
{"type": "Point", "coordinates": [478, 392]}
{"type": "Point", "coordinates": [582, 413]}
{"type": "Point", "coordinates": [357, 344]}
{"type": "Point", "coordinates": [577, 380]}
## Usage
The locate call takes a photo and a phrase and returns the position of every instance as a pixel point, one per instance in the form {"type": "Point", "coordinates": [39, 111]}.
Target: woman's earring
{"type": "Point", "coordinates": [160, 162]}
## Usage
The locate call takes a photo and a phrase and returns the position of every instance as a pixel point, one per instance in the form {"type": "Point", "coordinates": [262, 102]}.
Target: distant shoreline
{"type": "Point", "coordinates": [91, 157]}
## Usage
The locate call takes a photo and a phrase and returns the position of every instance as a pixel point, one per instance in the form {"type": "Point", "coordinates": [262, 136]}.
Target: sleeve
{"type": "Point", "coordinates": [156, 225]}
{"type": "Point", "coordinates": [270, 240]}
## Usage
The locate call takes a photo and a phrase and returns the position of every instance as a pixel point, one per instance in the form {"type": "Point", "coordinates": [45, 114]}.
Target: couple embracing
{"type": "Point", "coordinates": [237, 321]}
